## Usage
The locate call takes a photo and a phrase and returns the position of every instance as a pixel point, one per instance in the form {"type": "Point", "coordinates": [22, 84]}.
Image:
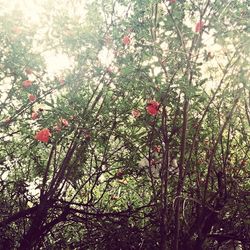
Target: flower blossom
{"type": "Point", "coordinates": [27, 83]}
{"type": "Point", "coordinates": [126, 40]}
{"type": "Point", "coordinates": [199, 26]}
{"type": "Point", "coordinates": [135, 113]}
{"type": "Point", "coordinates": [153, 107]}
{"type": "Point", "coordinates": [34, 115]}
{"type": "Point", "coordinates": [43, 135]}
{"type": "Point", "coordinates": [32, 98]}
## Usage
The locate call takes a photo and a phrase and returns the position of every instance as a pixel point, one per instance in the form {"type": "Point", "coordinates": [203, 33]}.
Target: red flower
{"type": "Point", "coordinates": [34, 115]}
{"type": "Point", "coordinates": [199, 26]}
{"type": "Point", "coordinates": [153, 107]}
{"type": "Point", "coordinates": [135, 113]}
{"type": "Point", "coordinates": [43, 135]}
{"type": "Point", "coordinates": [64, 122]}
{"type": "Point", "coordinates": [27, 83]}
{"type": "Point", "coordinates": [32, 98]}
{"type": "Point", "coordinates": [172, 1]}
{"type": "Point", "coordinates": [126, 40]}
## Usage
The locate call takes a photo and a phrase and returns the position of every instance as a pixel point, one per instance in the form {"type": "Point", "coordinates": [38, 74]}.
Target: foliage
{"type": "Point", "coordinates": [142, 142]}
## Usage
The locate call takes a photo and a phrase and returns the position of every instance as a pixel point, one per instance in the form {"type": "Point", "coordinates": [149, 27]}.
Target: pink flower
{"type": "Point", "coordinates": [126, 40]}
{"type": "Point", "coordinates": [34, 115]}
{"type": "Point", "coordinates": [27, 83]}
{"type": "Point", "coordinates": [43, 135]}
{"type": "Point", "coordinates": [172, 1]}
{"type": "Point", "coordinates": [135, 113]}
{"type": "Point", "coordinates": [153, 107]}
{"type": "Point", "coordinates": [199, 26]}
{"type": "Point", "coordinates": [32, 98]}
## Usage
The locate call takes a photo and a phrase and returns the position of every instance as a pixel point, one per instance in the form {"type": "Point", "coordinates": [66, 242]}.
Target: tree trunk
{"type": "Point", "coordinates": [163, 231]}
{"type": "Point", "coordinates": [33, 236]}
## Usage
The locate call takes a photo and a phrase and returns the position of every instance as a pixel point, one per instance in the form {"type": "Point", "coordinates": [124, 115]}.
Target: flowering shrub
{"type": "Point", "coordinates": [124, 126]}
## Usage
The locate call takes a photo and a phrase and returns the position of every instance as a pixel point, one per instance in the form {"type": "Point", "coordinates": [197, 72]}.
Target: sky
{"type": "Point", "coordinates": [56, 62]}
